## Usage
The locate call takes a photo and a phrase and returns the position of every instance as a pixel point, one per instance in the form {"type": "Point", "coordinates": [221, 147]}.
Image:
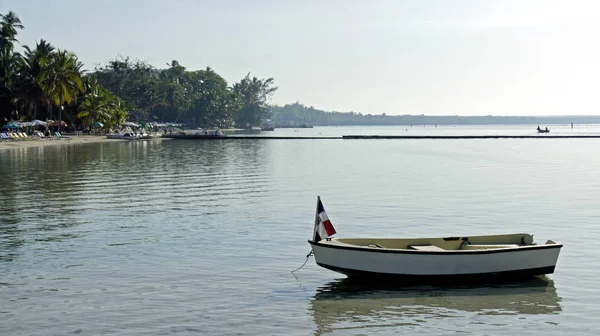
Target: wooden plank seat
{"type": "Point", "coordinates": [432, 248]}
{"type": "Point", "coordinates": [487, 246]}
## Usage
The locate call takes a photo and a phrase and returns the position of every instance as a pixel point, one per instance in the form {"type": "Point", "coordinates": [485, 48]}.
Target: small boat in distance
{"type": "Point", "coordinates": [127, 135]}
{"type": "Point", "coordinates": [205, 134]}
{"type": "Point", "coordinates": [546, 130]}
{"type": "Point", "coordinates": [480, 258]}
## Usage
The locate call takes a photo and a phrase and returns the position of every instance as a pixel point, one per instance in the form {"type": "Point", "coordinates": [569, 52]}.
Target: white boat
{"type": "Point", "coordinates": [128, 134]}
{"type": "Point", "coordinates": [125, 135]}
{"type": "Point", "coordinates": [442, 259]}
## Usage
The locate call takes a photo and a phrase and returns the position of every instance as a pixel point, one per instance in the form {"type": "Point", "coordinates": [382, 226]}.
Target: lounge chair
{"type": "Point", "coordinates": [60, 136]}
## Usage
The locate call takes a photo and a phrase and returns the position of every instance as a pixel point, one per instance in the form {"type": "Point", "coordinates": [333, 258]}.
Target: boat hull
{"type": "Point", "coordinates": [491, 277]}
{"type": "Point", "coordinates": [195, 136]}
{"type": "Point", "coordinates": [404, 265]}
{"type": "Point", "coordinates": [122, 137]}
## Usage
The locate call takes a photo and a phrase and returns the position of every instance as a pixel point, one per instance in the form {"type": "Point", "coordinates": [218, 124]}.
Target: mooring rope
{"type": "Point", "coordinates": [305, 261]}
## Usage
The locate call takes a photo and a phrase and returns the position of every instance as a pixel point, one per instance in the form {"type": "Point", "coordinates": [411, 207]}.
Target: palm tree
{"type": "Point", "coordinates": [33, 64]}
{"type": "Point", "coordinates": [9, 24]}
{"type": "Point", "coordinates": [94, 107]}
{"type": "Point", "coordinates": [62, 80]}
{"type": "Point", "coordinates": [96, 104]}
{"type": "Point", "coordinates": [117, 112]}
{"type": "Point", "coordinates": [99, 104]}
{"type": "Point", "coordinates": [254, 93]}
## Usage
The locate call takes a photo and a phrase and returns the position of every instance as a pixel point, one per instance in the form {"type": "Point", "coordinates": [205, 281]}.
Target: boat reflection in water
{"type": "Point", "coordinates": [344, 304]}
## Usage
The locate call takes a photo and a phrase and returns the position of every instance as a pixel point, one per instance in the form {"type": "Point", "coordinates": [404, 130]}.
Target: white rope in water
{"type": "Point", "coordinates": [305, 261]}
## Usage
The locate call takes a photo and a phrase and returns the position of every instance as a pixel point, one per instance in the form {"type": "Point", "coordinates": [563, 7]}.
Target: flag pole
{"type": "Point", "coordinates": [316, 219]}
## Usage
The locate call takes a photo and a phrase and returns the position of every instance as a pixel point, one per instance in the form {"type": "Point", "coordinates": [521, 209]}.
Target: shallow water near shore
{"type": "Point", "coordinates": [194, 237]}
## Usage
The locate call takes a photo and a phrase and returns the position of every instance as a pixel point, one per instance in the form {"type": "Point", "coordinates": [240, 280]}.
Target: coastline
{"type": "Point", "coordinates": [36, 142]}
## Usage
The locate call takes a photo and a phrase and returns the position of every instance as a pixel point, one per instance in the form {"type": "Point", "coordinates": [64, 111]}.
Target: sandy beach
{"type": "Point", "coordinates": [75, 139]}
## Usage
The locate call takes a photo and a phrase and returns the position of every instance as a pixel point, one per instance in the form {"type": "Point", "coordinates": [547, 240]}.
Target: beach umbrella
{"type": "Point", "coordinates": [131, 124]}
{"type": "Point", "coordinates": [12, 124]}
{"type": "Point", "coordinates": [38, 123]}
{"type": "Point", "coordinates": [97, 124]}
{"type": "Point", "coordinates": [58, 123]}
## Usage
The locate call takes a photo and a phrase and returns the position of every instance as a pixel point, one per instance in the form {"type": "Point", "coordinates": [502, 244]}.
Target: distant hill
{"type": "Point", "coordinates": [297, 114]}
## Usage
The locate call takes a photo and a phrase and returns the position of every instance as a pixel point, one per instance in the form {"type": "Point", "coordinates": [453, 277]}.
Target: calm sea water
{"type": "Point", "coordinates": [189, 237]}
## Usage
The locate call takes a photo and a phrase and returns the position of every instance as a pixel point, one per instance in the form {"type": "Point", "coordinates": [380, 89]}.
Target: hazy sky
{"type": "Point", "coordinates": [397, 57]}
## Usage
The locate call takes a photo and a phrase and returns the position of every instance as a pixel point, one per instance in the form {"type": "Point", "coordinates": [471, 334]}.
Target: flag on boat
{"type": "Point", "coordinates": [323, 227]}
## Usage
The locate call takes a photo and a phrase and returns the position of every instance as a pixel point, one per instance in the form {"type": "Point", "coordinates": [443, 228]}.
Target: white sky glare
{"type": "Point", "coordinates": [445, 57]}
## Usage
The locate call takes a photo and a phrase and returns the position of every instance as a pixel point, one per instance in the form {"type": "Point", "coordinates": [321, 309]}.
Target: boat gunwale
{"type": "Point", "coordinates": [444, 252]}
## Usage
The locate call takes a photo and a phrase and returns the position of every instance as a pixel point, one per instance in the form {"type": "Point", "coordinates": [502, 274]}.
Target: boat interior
{"type": "Point", "coordinates": [445, 243]}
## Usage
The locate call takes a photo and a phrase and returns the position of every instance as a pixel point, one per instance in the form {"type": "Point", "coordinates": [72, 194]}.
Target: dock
{"type": "Point", "coordinates": [366, 137]}
{"type": "Point", "coordinates": [244, 137]}
{"type": "Point", "coordinates": [471, 136]}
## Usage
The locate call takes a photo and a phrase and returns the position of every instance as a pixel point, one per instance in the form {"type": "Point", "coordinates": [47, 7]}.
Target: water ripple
{"type": "Point", "coordinates": [199, 236]}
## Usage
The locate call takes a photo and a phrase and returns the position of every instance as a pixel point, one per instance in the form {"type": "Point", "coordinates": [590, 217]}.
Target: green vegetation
{"type": "Point", "coordinates": [49, 83]}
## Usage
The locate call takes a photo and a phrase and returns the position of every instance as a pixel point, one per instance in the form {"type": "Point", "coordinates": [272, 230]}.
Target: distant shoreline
{"type": "Point", "coordinates": [86, 139]}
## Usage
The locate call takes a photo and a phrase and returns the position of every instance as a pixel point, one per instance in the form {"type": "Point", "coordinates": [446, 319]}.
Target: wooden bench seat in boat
{"type": "Point", "coordinates": [487, 246]}
{"type": "Point", "coordinates": [432, 248]}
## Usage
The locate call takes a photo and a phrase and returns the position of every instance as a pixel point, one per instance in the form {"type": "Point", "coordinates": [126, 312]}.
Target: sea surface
{"type": "Point", "coordinates": [193, 237]}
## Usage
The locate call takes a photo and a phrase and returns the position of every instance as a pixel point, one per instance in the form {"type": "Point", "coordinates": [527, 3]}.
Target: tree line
{"type": "Point", "coordinates": [45, 82]}
{"type": "Point", "coordinates": [298, 114]}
